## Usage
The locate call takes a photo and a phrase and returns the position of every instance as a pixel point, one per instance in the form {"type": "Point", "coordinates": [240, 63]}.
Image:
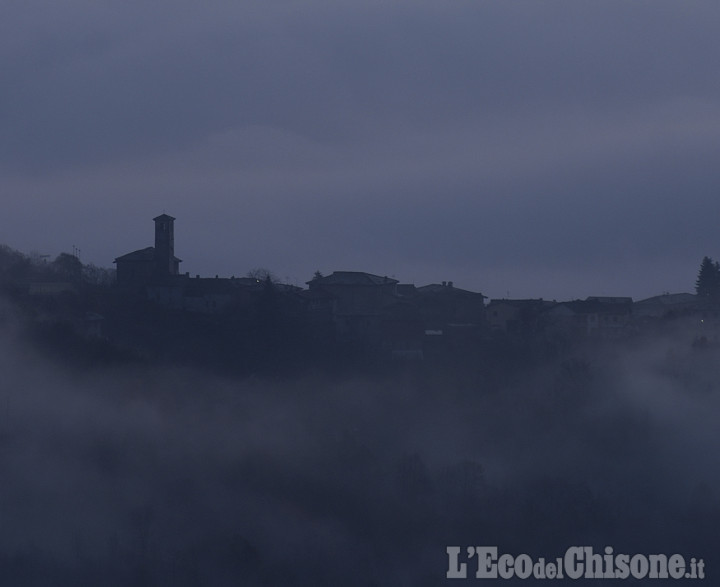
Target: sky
{"type": "Point", "coordinates": [555, 149]}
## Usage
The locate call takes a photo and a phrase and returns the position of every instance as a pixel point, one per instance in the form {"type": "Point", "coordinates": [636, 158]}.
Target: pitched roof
{"type": "Point", "coordinates": [406, 289]}
{"type": "Point", "coordinates": [146, 254]}
{"type": "Point", "coordinates": [609, 300]}
{"type": "Point", "coordinates": [593, 306]}
{"type": "Point", "coordinates": [163, 217]}
{"type": "Point", "coordinates": [523, 303]}
{"type": "Point", "coordinates": [447, 289]}
{"type": "Point", "coordinates": [352, 278]}
{"type": "Point", "coordinates": [670, 299]}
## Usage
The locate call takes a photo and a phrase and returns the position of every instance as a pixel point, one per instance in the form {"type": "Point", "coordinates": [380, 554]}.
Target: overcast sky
{"type": "Point", "coordinates": [536, 148]}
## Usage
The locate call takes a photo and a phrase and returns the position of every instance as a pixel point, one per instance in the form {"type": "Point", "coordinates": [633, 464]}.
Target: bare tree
{"type": "Point", "coordinates": [262, 274]}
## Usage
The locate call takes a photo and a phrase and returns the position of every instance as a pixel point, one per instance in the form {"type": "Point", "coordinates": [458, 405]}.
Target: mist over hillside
{"type": "Point", "coordinates": [149, 475]}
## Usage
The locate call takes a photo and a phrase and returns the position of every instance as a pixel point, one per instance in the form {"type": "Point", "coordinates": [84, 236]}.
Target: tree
{"type": "Point", "coordinates": [68, 266]}
{"type": "Point", "coordinates": [97, 275]}
{"type": "Point", "coordinates": [262, 274]}
{"type": "Point", "coordinates": [707, 284]}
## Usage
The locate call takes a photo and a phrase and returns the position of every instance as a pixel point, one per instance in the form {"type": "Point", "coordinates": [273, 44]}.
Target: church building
{"type": "Point", "coordinates": [152, 264]}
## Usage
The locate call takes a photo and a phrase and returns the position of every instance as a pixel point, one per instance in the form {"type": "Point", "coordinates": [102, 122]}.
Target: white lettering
{"type": "Point", "coordinates": [573, 568]}
{"type": "Point", "coordinates": [593, 564]}
{"type": "Point", "coordinates": [523, 566]}
{"type": "Point", "coordinates": [505, 566]}
{"type": "Point", "coordinates": [609, 565]}
{"type": "Point", "coordinates": [455, 571]}
{"type": "Point", "coordinates": [622, 563]}
{"type": "Point", "coordinates": [639, 566]}
{"type": "Point", "coordinates": [676, 566]}
{"type": "Point", "coordinates": [486, 556]}
{"type": "Point", "coordinates": [551, 571]}
{"type": "Point", "coordinates": [658, 566]}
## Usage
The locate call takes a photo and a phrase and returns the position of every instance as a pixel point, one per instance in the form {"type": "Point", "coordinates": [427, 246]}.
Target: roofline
{"type": "Point", "coordinates": [386, 280]}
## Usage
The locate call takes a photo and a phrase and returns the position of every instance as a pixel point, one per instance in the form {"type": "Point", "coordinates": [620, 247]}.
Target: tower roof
{"type": "Point", "coordinates": [163, 217]}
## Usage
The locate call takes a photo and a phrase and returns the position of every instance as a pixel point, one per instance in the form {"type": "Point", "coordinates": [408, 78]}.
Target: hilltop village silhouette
{"type": "Point", "coordinates": [400, 319]}
{"type": "Point", "coordinates": [148, 308]}
{"type": "Point", "coordinates": [350, 306]}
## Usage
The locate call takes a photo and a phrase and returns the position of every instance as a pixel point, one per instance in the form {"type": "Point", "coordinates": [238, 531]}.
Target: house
{"type": "Point", "coordinates": [207, 295]}
{"type": "Point", "coordinates": [317, 305]}
{"type": "Point", "coordinates": [600, 317]}
{"type": "Point", "coordinates": [358, 301]}
{"type": "Point", "coordinates": [443, 304]}
{"type": "Point", "coordinates": [402, 330]}
{"type": "Point", "coordinates": [665, 306]}
{"type": "Point", "coordinates": [357, 292]}
{"type": "Point", "coordinates": [515, 315]}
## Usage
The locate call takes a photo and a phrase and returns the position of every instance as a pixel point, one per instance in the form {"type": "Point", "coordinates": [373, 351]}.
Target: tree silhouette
{"type": "Point", "coordinates": [707, 284]}
{"type": "Point", "coordinates": [68, 266]}
{"type": "Point", "coordinates": [262, 274]}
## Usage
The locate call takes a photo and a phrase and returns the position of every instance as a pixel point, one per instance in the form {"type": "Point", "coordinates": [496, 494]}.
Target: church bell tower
{"type": "Point", "coordinates": [165, 263]}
